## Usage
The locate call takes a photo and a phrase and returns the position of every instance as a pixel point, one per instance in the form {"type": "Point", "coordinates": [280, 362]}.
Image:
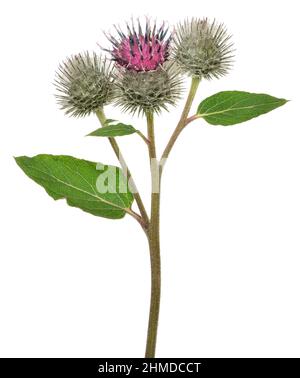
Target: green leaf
{"type": "Point", "coordinates": [109, 120]}
{"type": "Point", "coordinates": [118, 129]}
{"type": "Point", "coordinates": [232, 107]}
{"type": "Point", "coordinates": [98, 189]}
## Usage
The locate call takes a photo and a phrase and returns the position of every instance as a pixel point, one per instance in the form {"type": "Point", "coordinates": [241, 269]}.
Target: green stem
{"type": "Point", "coordinates": [143, 137]}
{"type": "Point", "coordinates": [153, 236]}
{"type": "Point", "coordinates": [144, 221]}
{"type": "Point", "coordinates": [183, 120]}
{"type": "Point", "coordinates": [154, 243]}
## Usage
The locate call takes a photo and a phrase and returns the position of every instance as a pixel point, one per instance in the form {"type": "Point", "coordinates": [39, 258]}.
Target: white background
{"type": "Point", "coordinates": [74, 285]}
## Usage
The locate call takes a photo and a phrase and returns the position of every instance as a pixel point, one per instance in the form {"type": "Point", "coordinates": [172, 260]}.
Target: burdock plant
{"type": "Point", "coordinates": [142, 74]}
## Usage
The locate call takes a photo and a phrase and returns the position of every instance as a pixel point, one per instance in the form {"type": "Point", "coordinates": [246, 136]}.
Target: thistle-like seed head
{"type": "Point", "coordinates": [202, 49]}
{"type": "Point", "coordinates": [140, 49]}
{"type": "Point", "coordinates": [84, 84]}
{"type": "Point", "coordinates": [148, 91]}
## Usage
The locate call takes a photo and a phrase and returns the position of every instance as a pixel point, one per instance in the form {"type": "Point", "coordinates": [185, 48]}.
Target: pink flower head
{"type": "Point", "coordinates": [141, 50]}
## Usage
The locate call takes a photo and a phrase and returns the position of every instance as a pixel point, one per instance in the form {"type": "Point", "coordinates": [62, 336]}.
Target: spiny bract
{"type": "Point", "coordinates": [148, 91]}
{"type": "Point", "coordinates": [84, 84]}
{"type": "Point", "coordinates": [140, 49]}
{"type": "Point", "coordinates": [202, 49]}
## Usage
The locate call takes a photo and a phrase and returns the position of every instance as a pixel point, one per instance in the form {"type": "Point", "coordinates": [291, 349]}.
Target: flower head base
{"type": "Point", "coordinates": [148, 91]}
{"type": "Point", "coordinates": [203, 49]}
{"type": "Point", "coordinates": [141, 50]}
{"type": "Point", "coordinates": [84, 84]}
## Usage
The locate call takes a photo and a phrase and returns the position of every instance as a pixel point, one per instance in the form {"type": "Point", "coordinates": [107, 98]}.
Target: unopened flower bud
{"type": "Point", "coordinates": [202, 49]}
{"type": "Point", "coordinates": [84, 84]}
{"type": "Point", "coordinates": [148, 91]}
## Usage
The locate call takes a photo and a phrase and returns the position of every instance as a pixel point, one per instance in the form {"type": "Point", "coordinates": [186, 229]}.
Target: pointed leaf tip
{"type": "Point", "coordinates": [233, 107]}
{"type": "Point", "coordinates": [119, 129]}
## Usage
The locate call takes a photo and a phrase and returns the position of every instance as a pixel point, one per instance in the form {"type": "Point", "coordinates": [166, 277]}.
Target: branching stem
{"type": "Point", "coordinates": [152, 226]}
{"type": "Point", "coordinates": [144, 219]}
{"type": "Point", "coordinates": [153, 236]}
{"type": "Point", "coordinates": [184, 120]}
